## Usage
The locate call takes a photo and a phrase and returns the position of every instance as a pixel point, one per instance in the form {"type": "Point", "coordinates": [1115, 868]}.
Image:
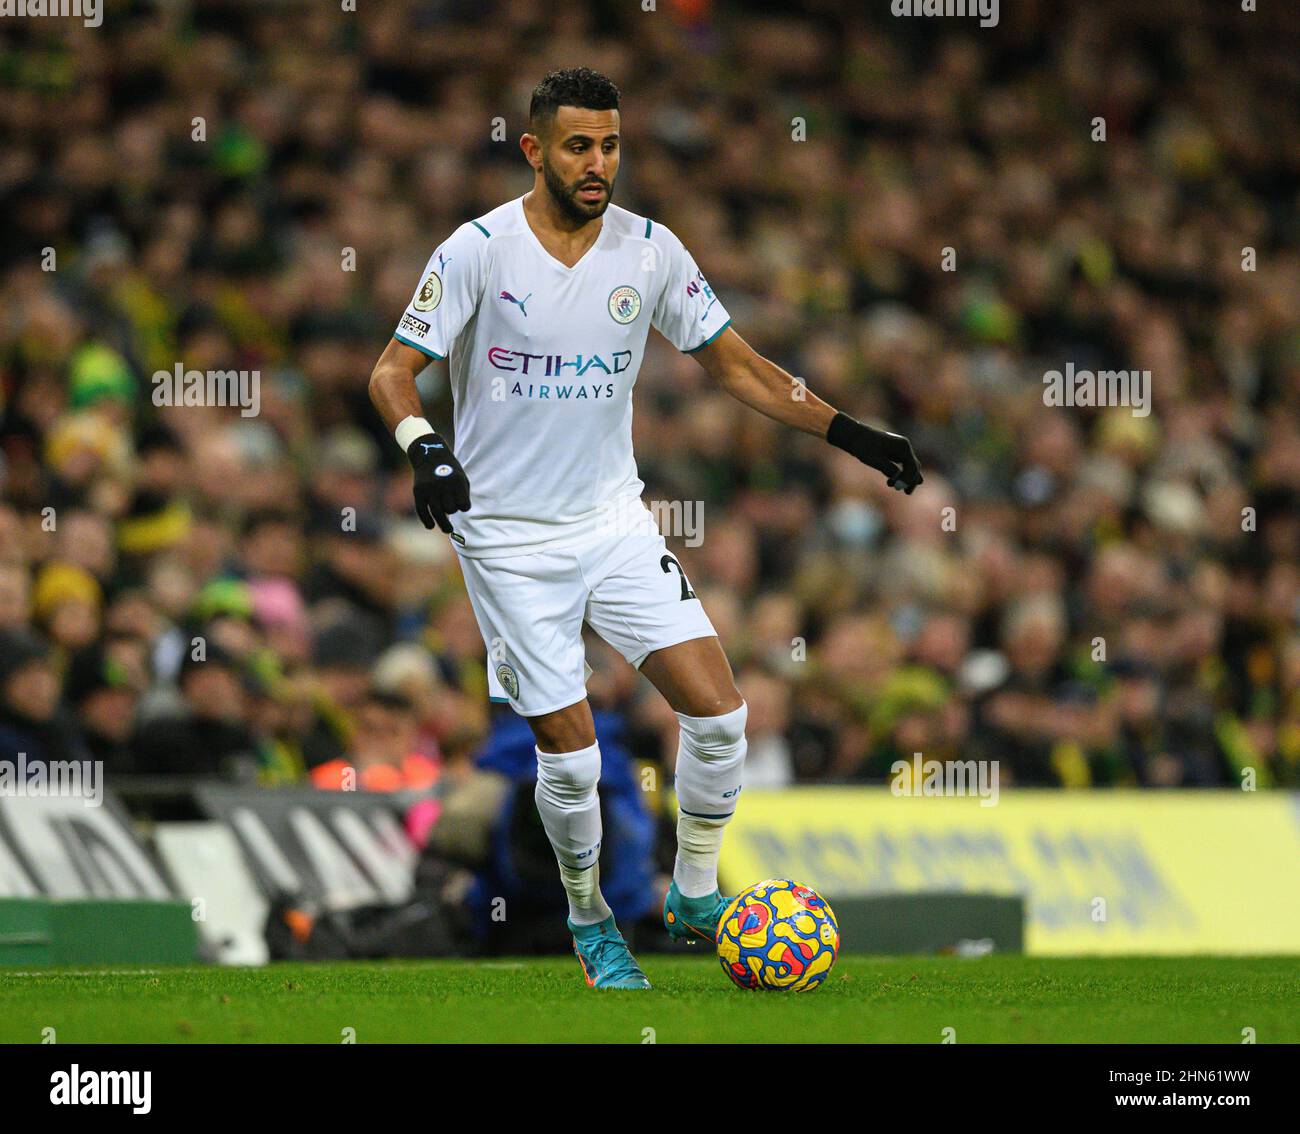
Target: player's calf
{"type": "Point", "coordinates": [570, 810]}
{"type": "Point", "coordinates": [710, 768]}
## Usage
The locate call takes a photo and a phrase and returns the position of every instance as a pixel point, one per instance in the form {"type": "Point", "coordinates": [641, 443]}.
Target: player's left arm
{"type": "Point", "coordinates": [750, 378]}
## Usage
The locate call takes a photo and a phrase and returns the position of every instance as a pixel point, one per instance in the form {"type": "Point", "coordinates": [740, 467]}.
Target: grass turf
{"type": "Point", "coordinates": [908, 1000]}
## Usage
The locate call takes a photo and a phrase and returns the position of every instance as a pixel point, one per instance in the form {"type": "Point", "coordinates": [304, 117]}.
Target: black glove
{"type": "Point", "coordinates": [441, 486]}
{"type": "Point", "coordinates": [890, 453]}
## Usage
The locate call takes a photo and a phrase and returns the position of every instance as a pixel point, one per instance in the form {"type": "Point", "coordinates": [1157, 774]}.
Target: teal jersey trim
{"type": "Point", "coordinates": [417, 346]}
{"type": "Point", "coordinates": [709, 339]}
{"type": "Point", "coordinates": [481, 229]}
{"type": "Point", "coordinates": [648, 222]}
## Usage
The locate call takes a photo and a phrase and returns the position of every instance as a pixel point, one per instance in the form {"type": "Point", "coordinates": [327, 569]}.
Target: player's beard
{"type": "Point", "coordinates": [566, 197]}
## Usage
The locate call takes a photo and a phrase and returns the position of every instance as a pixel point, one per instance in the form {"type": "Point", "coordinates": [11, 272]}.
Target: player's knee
{"type": "Point", "coordinates": [713, 703]}
{"type": "Point", "coordinates": [718, 734]}
{"type": "Point", "coordinates": [568, 779]}
{"type": "Point", "coordinates": [568, 730]}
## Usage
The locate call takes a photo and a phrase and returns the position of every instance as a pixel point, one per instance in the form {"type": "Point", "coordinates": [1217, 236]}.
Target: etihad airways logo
{"type": "Point", "coordinates": [557, 365]}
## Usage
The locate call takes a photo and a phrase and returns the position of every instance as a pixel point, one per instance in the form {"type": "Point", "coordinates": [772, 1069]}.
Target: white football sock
{"type": "Point", "coordinates": [710, 770]}
{"type": "Point", "coordinates": [570, 810]}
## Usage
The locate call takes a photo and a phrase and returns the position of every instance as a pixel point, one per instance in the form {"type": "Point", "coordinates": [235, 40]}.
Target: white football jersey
{"type": "Point", "coordinates": [543, 359]}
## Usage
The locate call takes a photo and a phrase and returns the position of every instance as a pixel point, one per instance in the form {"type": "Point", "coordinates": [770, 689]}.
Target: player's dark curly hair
{"type": "Point", "coordinates": [574, 86]}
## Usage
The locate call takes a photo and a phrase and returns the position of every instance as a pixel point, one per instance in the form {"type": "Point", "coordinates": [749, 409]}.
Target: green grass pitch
{"type": "Point", "coordinates": [899, 1000]}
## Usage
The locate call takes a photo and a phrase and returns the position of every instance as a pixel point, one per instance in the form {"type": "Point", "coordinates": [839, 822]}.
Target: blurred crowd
{"type": "Point", "coordinates": [920, 217]}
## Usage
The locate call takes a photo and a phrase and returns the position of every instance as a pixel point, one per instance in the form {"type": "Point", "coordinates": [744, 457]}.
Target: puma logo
{"type": "Point", "coordinates": [517, 302]}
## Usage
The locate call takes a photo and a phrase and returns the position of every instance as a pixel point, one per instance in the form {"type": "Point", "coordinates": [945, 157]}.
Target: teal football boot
{"type": "Point", "coordinates": [605, 958]}
{"type": "Point", "coordinates": [689, 919]}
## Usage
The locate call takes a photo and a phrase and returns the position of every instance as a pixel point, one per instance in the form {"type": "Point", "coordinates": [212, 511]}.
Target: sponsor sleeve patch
{"type": "Point", "coordinates": [413, 326]}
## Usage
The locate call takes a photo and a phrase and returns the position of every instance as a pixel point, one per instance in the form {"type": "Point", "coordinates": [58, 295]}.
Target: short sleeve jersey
{"type": "Point", "coordinates": [543, 359]}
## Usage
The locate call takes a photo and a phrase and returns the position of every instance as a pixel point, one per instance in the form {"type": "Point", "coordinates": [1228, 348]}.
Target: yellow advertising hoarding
{"type": "Point", "coordinates": [1102, 872]}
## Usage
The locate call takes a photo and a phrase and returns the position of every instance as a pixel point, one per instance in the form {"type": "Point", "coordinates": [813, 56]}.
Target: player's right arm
{"type": "Point", "coordinates": [444, 302]}
{"type": "Point", "coordinates": [392, 383]}
{"type": "Point", "coordinates": [440, 486]}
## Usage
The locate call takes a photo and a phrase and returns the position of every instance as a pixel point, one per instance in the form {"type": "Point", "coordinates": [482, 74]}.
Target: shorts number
{"type": "Point", "coordinates": [668, 561]}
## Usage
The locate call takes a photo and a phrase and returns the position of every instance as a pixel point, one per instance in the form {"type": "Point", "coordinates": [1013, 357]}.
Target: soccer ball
{"type": "Point", "coordinates": [779, 936]}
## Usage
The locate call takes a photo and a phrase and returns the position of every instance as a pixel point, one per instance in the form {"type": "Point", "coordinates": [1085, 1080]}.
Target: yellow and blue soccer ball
{"type": "Point", "coordinates": [779, 936]}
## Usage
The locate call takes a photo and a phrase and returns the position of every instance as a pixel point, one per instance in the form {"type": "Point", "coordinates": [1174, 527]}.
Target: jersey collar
{"type": "Point", "coordinates": [528, 228]}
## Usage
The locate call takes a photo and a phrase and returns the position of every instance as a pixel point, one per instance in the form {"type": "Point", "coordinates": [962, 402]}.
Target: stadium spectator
{"type": "Point", "coordinates": [383, 756]}
{"type": "Point", "coordinates": [33, 722]}
{"type": "Point", "coordinates": [206, 733]}
{"type": "Point", "coordinates": [104, 695]}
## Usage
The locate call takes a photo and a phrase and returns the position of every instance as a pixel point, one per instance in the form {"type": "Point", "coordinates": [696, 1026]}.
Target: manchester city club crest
{"type": "Point", "coordinates": [624, 304]}
{"type": "Point", "coordinates": [430, 294]}
{"type": "Point", "coordinates": [509, 679]}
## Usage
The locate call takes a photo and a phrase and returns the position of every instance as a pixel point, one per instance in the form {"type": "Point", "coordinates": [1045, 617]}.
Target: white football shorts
{"type": "Point", "coordinates": [626, 585]}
